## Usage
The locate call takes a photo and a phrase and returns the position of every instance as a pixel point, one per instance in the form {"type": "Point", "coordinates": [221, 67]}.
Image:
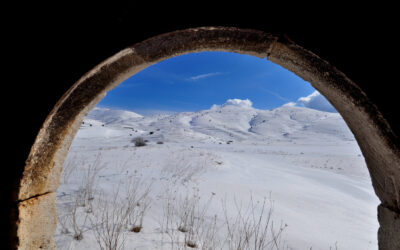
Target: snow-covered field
{"type": "Point", "coordinates": [305, 163]}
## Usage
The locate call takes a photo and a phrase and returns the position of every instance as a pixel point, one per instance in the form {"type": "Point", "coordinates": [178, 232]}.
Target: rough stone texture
{"type": "Point", "coordinates": [44, 164]}
{"type": "Point", "coordinates": [46, 159]}
{"type": "Point", "coordinates": [38, 222]}
{"type": "Point", "coordinates": [389, 229]}
{"type": "Point", "coordinates": [251, 42]}
{"type": "Point", "coordinates": [374, 135]}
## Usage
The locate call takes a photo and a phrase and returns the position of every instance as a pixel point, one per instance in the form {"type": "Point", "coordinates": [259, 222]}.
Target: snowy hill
{"type": "Point", "coordinates": [111, 116]}
{"type": "Point", "coordinates": [307, 161]}
{"type": "Point", "coordinates": [298, 122]}
{"type": "Point", "coordinates": [235, 122]}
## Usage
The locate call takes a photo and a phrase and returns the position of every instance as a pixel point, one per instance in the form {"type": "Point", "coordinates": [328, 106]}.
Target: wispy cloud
{"type": "Point", "coordinates": [202, 76]}
{"type": "Point", "coordinates": [275, 94]}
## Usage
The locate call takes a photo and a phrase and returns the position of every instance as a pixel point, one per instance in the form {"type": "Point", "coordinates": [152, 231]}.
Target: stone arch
{"type": "Point", "coordinates": [37, 211]}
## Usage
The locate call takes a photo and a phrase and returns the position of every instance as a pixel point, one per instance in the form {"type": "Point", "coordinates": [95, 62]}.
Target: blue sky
{"type": "Point", "coordinates": [196, 81]}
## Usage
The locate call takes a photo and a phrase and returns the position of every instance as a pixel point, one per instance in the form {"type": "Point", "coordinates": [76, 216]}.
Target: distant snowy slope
{"type": "Point", "coordinates": [299, 122]}
{"type": "Point", "coordinates": [225, 122]}
{"type": "Point", "coordinates": [235, 122]}
{"type": "Point", "coordinates": [111, 116]}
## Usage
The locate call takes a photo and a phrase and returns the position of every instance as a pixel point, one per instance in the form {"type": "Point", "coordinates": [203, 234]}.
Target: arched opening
{"type": "Point", "coordinates": [44, 165]}
{"type": "Point", "coordinates": [215, 122]}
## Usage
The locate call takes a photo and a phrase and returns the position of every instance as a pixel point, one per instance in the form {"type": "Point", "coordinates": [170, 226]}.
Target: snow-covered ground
{"type": "Point", "coordinates": [306, 162]}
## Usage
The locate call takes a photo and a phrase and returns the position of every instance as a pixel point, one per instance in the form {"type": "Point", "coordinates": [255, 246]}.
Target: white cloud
{"type": "Point", "coordinates": [202, 76]}
{"type": "Point", "coordinates": [316, 101]}
{"type": "Point", "coordinates": [289, 104]}
{"type": "Point", "coordinates": [215, 106]}
{"type": "Point", "coordinates": [235, 102]}
{"type": "Point", "coordinates": [238, 102]}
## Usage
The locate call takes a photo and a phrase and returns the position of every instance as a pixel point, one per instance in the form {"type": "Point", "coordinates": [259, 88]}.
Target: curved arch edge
{"type": "Point", "coordinates": [44, 164]}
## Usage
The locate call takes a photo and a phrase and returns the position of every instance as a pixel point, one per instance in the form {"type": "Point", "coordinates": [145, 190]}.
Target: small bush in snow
{"type": "Point", "coordinates": [160, 142]}
{"type": "Point", "coordinates": [252, 226]}
{"type": "Point", "coordinates": [76, 221]}
{"type": "Point", "coordinates": [108, 221]}
{"type": "Point", "coordinates": [138, 202]}
{"type": "Point", "coordinates": [139, 141]}
{"type": "Point", "coordinates": [64, 222]}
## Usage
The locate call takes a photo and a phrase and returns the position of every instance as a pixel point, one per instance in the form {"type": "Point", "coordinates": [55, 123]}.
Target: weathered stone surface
{"type": "Point", "coordinates": [253, 42]}
{"type": "Point", "coordinates": [389, 230]}
{"type": "Point", "coordinates": [37, 222]}
{"type": "Point", "coordinates": [374, 135]}
{"type": "Point", "coordinates": [37, 204]}
{"type": "Point", "coordinates": [46, 159]}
